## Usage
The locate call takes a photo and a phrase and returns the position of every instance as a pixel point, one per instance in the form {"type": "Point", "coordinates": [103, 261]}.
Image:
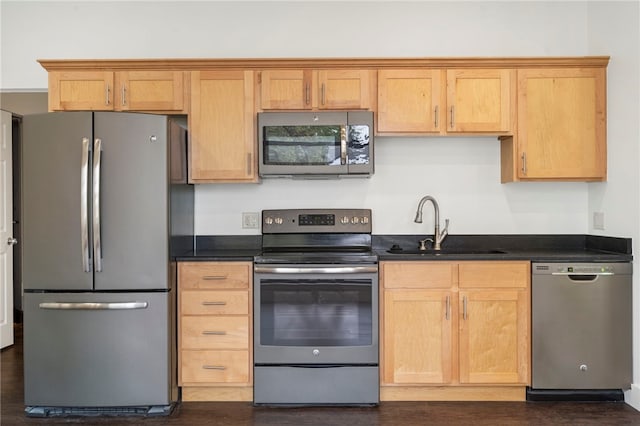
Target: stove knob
{"type": "Point", "coordinates": [365, 220]}
{"type": "Point", "coordinates": [355, 220]}
{"type": "Point", "coordinates": [268, 220]}
{"type": "Point", "coordinates": [279, 221]}
{"type": "Point", "coordinates": [315, 352]}
{"type": "Point", "coordinates": [344, 220]}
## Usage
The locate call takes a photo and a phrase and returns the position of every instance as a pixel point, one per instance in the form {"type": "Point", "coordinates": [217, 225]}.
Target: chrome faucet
{"type": "Point", "coordinates": [437, 236]}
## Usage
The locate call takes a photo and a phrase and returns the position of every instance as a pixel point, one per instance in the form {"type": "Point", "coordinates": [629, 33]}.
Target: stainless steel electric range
{"type": "Point", "coordinates": [316, 309]}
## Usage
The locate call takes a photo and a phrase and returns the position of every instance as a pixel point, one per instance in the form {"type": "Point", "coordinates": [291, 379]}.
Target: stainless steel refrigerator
{"type": "Point", "coordinates": [105, 205]}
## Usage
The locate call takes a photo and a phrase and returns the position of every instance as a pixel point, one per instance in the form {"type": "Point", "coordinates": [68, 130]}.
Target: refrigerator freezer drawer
{"type": "Point", "coordinates": [97, 349]}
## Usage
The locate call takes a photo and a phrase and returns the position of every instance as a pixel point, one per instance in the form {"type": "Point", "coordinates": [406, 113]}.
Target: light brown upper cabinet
{"type": "Point", "coordinates": [222, 127]}
{"type": "Point", "coordinates": [471, 101]}
{"type": "Point", "coordinates": [316, 89]}
{"type": "Point", "coordinates": [144, 91]}
{"type": "Point", "coordinates": [561, 126]}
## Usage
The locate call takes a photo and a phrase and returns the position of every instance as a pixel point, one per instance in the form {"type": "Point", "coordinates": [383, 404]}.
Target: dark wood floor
{"type": "Point", "coordinates": [388, 413]}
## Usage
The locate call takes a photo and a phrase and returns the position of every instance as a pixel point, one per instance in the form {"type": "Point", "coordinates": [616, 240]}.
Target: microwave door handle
{"type": "Point", "coordinates": [343, 145]}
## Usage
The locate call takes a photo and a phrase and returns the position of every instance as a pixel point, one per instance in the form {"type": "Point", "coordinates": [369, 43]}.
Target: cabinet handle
{"type": "Point", "coordinates": [447, 308]}
{"type": "Point", "coordinates": [124, 95]}
{"type": "Point", "coordinates": [107, 94]}
{"type": "Point", "coordinates": [524, 163]}
{"type": "Point", "coordinates": [322, 93]}
{"type": "Point", "coordinates": [452, 117]}
{"type": "Point", "coordinates": [214, 367]}
{"type": "Point", "coordinates": [249, 164]}
{"type": "Point", "coordinates": [464, 307]}
{"type": "Point", "coordinates": [214, 303]}
{"type": "Point", "coordinates": [214, 277]}
{"type": "Point", "coordinates": [435, 113]}
{"type": "Point", "coordinates": [214, 333]}
{"type": "Point", "coordinates": [307, 92]}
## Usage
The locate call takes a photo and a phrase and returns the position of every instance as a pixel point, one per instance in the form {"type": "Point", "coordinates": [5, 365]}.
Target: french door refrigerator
{"type": "Point", "coordinates": [105, 201]}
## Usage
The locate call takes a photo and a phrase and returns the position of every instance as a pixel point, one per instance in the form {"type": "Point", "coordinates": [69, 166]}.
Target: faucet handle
{"type": "Point", "coordinates": [423, 243]}
{"type": "Point", "coordinates": [446, 225]}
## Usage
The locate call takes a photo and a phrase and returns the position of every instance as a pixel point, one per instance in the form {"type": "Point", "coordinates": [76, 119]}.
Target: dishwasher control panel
{"type": "Point", "coordinates": [580, 268]}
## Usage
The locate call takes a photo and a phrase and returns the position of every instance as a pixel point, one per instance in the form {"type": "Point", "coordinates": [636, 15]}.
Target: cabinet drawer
{"type": "Point", "coordinates": [214, 366]}
{"type": "Point", "coordinates": [224, 302]}
{"type": "Point", "coordinates": [494, 274]}
{"type": "Point", "coordinates": [418, 274]}
{"type": "Point", "coordinates": [214, 332]}
{"type": "Point", "coordinates": [211, 275]}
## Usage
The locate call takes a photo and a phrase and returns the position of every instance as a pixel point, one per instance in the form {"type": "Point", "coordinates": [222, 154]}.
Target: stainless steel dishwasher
{"type": "Point", "coordinates": [581, 330]}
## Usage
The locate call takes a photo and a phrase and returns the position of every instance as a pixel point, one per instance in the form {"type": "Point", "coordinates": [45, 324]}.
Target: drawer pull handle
{"type": "Point", "coordinates": [214, 333]}
{"type": "Point", "coordinates": [214, 367]}
{"type": "Point", "coordinates": [214, 303]}
{"type": "Point", "coordinates": [214, 277]}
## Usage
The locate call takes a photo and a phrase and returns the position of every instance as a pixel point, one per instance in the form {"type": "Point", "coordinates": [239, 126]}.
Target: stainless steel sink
{"type": "Point", "coordinates": [451, 251]}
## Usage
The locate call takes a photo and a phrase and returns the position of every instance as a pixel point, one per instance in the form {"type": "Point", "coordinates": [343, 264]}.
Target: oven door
{"type": "Point", "coordinates": [315, 314]}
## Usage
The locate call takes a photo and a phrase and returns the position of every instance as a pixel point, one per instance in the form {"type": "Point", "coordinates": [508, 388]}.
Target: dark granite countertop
{"type": "Point", "coordinates": [537, 248]}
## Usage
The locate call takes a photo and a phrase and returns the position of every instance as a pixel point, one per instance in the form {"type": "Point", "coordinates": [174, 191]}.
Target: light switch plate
{"type": "Point", "coordinates": [250, 220]}
{"type": "Point", "coordinates": [598, 220]}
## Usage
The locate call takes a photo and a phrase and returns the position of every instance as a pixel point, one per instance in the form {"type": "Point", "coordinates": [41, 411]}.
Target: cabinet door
{"type": "Point", "coordinates": [562, 124]}
{"type": "Point", "coordinates": [81, 91]}
{"type": "Point", "coordinates": [493, 333]}
{"type": "Point", "coordinates": [409, 101]}
{"type": "Point", "coordinates": [345, 89]}
{"type": "Point", "coordinates": [150, 91]}
{"type": "Point", "coordinates": [286, 89]}
{"type": "Point", "coordinates": [417, 336]}
{"type": "Point", "coordinates": [479, 100]}
{"type": "Point", "coordinates": [222, 127]}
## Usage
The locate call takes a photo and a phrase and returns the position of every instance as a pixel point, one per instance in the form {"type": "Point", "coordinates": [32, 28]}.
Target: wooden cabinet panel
{"type": "Point", "coordinates": [417, 345]}
{"type": "Point", "coordinates": [202, 367]}
{"type": "Point", "coordinates": [409, 101]}
{"type": "Point", "coordinates": [150, 91]}
{"type": "Point", "coordinates": [214, 275]}
{"type": "Point", "coordinates": [220, 302]}
{"type": "Point", "coordinates": [317, 89]}
{"type": "Point", "coordinates": [494, 274]}
{"type": "Point", "coordinates": [215, 332]}
{"type": "Point", "coordinates": [222, 128]}
{"type": "Point", "coordinates": [561, 124]}
{"type": "Point", "coordinates": [494, 334]}
{"type": "Point", "coordinates": [81, 91]}
{"type": "Point", "coordinates": [418, 274]}
{"type": "Point", "coordinates": [479, 100]}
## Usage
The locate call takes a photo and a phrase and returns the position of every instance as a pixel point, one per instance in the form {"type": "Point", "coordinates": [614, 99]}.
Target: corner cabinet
{"type": "Point", "coordinates": [455, 330]}
{"type": "Point", "coordinates": [316, 89]}
{"type": "Point", "coordinates": [222, 127]}
{"type": "Point", "coordinates": [215, 360]}
{"type": "Point", "coordinates": [143, 91]}
{"type": "Point", "coordinates": [417, 101]}
{"type": "Point", "coordinates": [561, 128]}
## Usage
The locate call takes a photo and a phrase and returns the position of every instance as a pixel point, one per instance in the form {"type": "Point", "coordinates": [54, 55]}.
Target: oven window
{"type": "Point", "coordinates": [302, 145]}
{"type": "Point", "coordinates": [316, 312]}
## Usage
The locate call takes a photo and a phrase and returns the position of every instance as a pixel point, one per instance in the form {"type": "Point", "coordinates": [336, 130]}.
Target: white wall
{"type": "Point", "coordinates": [462, 173]}
{"type": "Point", "coordinates": [615, 31]}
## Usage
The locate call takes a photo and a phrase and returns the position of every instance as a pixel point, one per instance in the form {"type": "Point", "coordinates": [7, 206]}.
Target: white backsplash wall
{"type": "Point", "coordinates": [463, 174]}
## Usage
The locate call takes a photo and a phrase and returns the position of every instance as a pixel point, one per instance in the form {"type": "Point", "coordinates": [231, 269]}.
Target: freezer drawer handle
{"type": "Point", "coordinates": [89, 306]}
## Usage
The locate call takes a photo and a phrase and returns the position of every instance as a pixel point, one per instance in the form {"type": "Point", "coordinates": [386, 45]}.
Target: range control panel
{"type": "Point", "coordinates": [322, 221]}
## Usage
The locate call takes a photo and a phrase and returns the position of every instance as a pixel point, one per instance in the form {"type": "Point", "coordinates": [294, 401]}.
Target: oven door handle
{"type": "Point", "coordinates": [315, 270]}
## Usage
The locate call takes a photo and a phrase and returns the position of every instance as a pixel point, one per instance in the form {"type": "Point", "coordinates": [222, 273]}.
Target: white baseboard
{"type": "Point", "coordinates": [632, 396]}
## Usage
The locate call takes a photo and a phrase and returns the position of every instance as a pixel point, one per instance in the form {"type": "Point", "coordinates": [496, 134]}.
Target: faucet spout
{"type": "Point", "coordinates": [438, 237]}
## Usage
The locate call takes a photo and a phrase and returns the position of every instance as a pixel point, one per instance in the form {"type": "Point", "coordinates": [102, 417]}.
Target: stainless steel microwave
{"type": "Point", "coordinates": [315, 144]}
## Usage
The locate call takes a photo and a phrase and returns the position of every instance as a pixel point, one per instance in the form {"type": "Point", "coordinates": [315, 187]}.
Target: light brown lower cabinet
{"type": "Point", "coordinates": [215, 360]}
{"type": "Point", "coordinates": [455, 330]}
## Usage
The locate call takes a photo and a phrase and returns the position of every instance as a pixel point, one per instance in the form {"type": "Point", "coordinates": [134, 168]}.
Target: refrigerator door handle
{"type": "Point", "coordinates": [89, 306]}
{"type": "Point", "coordinates": [97, 245]}
{"type": "Point", "coordinates": [84, 215]}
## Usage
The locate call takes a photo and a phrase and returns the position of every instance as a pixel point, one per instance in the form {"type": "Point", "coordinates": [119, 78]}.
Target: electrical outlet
{"type": "Point", "coordinates": [598, 220]}
{"type": "Point", "coordinates": [250, 220]}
